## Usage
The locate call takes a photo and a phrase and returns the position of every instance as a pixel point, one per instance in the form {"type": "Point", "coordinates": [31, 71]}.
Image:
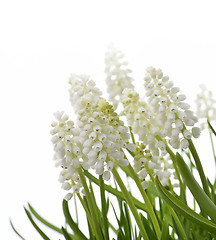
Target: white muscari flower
{"type": "Point", "coordinates": [196, 132]}
{"type": "Point", "coordinates": [68, 196]}
{"type": "Point", "coordinates": [184, 143]}
{"type": "Point", "coordinates": [75, 188]}
{"type": "Point", "coordinates": [106, 175]}
{"type": "Point", "coordinates": [206, 106]}
{"type": "Point", "coordinates": [124, 162]}
{"type": "Point", "coordinates": [145, 184]}
{"type": "Point", "coordinates": [187, 134]}
{"type": "Point", "coordinates": [109, 165]}
{"type": "Point", "coordinates": [117, 75]}
{"type": "Point", "coordinates": [66, 186]}
{"type": "Point", "coordinates": [143, 174]}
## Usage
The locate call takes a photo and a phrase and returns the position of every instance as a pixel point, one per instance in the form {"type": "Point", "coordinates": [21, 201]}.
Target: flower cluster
{"type": "Point", "coordinates": [175, 119]}
{"type": "Point", "coordinates": [206, 106]}
{"type": "Point", "coordinates": [117, 75]}
{"type": "Point", "coordinates": [162, 117]}
{"type": "Point", "coordinates": [140, 118]}
{"type": "Point", "coordinates": [96, 141]}
{"type": "Point", "coordinates": [67, 152]}
{"type": "Point", "coordinates": [148, 166]}
{"type": "Point", "coordinates": [150, 158]}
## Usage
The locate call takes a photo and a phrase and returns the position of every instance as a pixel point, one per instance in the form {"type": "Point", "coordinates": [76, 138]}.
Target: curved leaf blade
{"type": "Point", "coordinates": [211, 127]}
{"type": "Point", "coordinates": [66, 234]}
{"type": "Point", "coordinates": [43, 235]}
{"type": "Point", "coordinates": [53, 227]}
{"type": "Point", "coordinates": [16, 230]}
{"type": "Point", "coordinates": [201, 197]}
{"type": "Point", "coordinates": [71, 223]}
{"type": "Point", "coordinates": [183, 209]}
{"type": "Point", "coordinates": [165, 230]}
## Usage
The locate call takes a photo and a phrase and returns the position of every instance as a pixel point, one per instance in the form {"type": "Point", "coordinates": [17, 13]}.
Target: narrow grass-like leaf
{"type": "Point", "coordinates": [128, 219]}
{"type": "Point", "coordinates": [212, 129]}
{"type": "Point", "coordinates": [71, 222]}
{"type": "Point", "coordinates": [115, 192]}
{"type": "Point", "coordinates": [150, 232]}
{"type": "Point", "coordinates": [201, 197]}
{"type": "Point", "coordinates": [177, 224]}
{"type": "Point", "coordinates": [43, 220]}
{"type": "Point", "coordinates": [92, 209]}
{"type": "Point", "coordinates": [130, 203]}
{"type": "Point", "coordinates": [212, 191]}
{"type": "Point", "coordinates": [119, 224]}
{"type": "Point", "coordinates": [43, 235]}
{"type": "Point", "coordinates": [16, 230]}
{"type": "Point", "coordinates": [98, 212]}
{"type": "Point", "coordinates": [198, 166]}
{"type": "Point", "coordinates": [177, 230]}
{"type": "Point", "coordinates": [89, 225]}
{"type": "Point", "coordinates": [104, 208]}
{"type": "Point", "coordinates": [165, 230]}
{"type": "Point", "coordinates": [183, 209]}
{"type": "Point", "coordinates": [120, 237]}
{"type": "Point", "coordinates": [66, 234]}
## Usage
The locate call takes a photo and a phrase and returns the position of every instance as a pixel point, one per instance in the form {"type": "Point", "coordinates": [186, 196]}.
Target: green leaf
{"type": "Point", "coordinates": [43, 220]}
{"type": "Point", "coordinates": [120, 233]}
{"type": "Point", "coordinates": [66, 234]}
{"type": "Point", "coordinates": [183, 209]}
{"type": "Point", "coordinates": [211, 127]}
{"type": "Point", "coordinates": [198, 166]}
{"type": "Point", "coordinates": [205, 203]}
{"type": "Point", "coordinates": [177, 230]}
{"type": "Point", "coordinates": [98, 212]}
{"type": "Point", "coordinates": [149, 231]}
{"type": "Point", "coordinates": [165, 230]}
{"type": "Point", "coordinates": [43, 235]}
{"type": "Point", "coordinates": [212, 191]}
{"type": "Point", "coordinates": [128, 228]}
{"type": "Point", "coordinates": [115, 192]}
{"type": "Point", "coordinates": [104, 208]}
{"type": "Point", "coordinates": [89, 225]}
{"type": "Point", "coordinates": [71, 222]}
{"type": "Point", "coordinates": [16, 230]}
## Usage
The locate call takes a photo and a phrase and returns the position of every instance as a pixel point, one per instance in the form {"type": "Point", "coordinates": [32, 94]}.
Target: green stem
{"type": "Point", "coordinates": [132, 135]}
{"type": "Point", "coordinates": [87, 213]}
{"type": "Point", "coordinates": [191, 169]}
{"type": "Point", "coordinates": [178, 223]}
{"type": "Point", "coordinates": [130, 203]}
{"type": "Point", "coordinates": [115, 192]}
{"type": "Point", "coordinates": [75, 204]}
{"type": "Point", "coordinates": [212, 144]}
{"type": "Point", "coordinates": [149, 171]}
{"type": "Point", "coordinates": [173, 158]}
{"type": "Point", "coordinates": [146, 200]}
{"type": "Point", "coordinates": [97, 231]}
{"type": "Point", "coordinates": [199, 167]}
{"type": "Point", "coordinates": [104, 207]}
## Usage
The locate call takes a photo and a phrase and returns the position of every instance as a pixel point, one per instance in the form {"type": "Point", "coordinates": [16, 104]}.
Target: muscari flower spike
{"type": "Point", "coordinates": [97, 140]}
{"type": "Point", "coordinates": [118, 77]}
{"type": "Point", "coordinates": [206, 106]}
{"type": "Point", "coordinates": [175, 119]}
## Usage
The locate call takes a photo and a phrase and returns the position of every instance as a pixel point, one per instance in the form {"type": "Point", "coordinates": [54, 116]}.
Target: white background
{"type": "Point", "coordinates": [42, 42]}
